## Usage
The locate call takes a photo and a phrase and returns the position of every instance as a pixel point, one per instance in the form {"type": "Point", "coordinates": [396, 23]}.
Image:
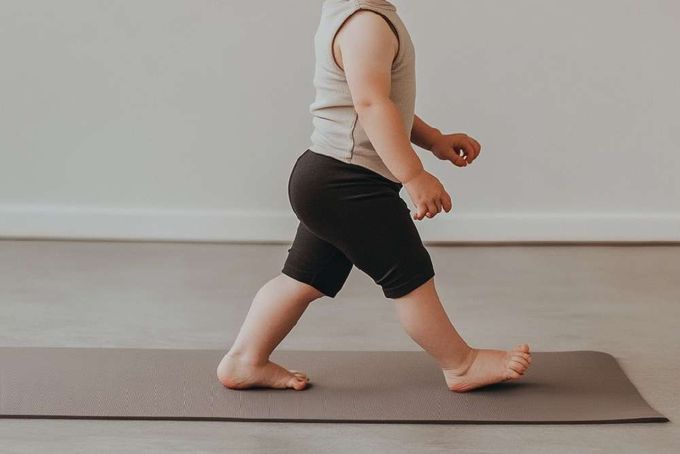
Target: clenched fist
{"type": "Point", "coordinates": [459, 148]}
{"type": "Point", "coordinates": [428, 195]}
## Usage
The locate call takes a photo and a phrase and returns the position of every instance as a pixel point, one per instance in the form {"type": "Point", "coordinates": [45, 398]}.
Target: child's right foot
{"type": "Point", "coordinates": [486, 367]}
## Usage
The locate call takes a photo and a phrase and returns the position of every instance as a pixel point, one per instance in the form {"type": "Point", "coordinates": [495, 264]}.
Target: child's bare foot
{"type": "Point", "coordinates": [485, 367]}
{"type": "Point", "coordinates": [235, 372]}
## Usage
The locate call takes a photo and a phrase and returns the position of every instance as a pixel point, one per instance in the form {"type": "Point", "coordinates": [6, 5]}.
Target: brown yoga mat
{"type": "Point", "coordinates": [370, 386]}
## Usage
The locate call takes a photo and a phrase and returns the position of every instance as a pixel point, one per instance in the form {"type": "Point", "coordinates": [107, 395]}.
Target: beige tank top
{"type": "Point", "coordinates": [337, 129]}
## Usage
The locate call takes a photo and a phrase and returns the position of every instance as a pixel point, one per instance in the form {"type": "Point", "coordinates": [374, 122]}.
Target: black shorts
{"type": "Point", "coordinates": [350, 215]}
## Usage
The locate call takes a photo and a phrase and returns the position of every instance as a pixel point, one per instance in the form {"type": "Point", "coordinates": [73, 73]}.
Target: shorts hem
{"type": "Point", "coordinates": [408, 287]}
{"type": "Point", "coordinates": [306, 279]}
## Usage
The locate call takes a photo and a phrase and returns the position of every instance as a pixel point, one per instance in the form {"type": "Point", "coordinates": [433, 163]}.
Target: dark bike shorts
{"type": "Point", "coordinates": [349, 215]}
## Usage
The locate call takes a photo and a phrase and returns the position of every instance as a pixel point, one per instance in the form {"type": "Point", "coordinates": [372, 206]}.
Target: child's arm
{"type": "Point", "coordinates": [460, 148]}
{"type": "Point", "coordinates": [367, 47]}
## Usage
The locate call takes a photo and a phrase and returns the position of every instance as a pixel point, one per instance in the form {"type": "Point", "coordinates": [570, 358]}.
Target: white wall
{"type": "Point", "coordinates": [181, 119]}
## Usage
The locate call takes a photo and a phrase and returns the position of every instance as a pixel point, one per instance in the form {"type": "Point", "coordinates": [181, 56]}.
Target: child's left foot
{"type": "Point", "coordinates": [236, 373]}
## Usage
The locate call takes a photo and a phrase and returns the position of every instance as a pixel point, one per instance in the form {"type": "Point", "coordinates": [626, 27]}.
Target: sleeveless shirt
{"type": "Point", "coordinates": [337, 130]}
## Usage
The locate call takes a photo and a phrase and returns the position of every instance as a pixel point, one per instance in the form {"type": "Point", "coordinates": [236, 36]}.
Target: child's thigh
{"type": "Point", "coordinates": [379, 236]}
{"type": "Point", "coordinates": [372, 226]}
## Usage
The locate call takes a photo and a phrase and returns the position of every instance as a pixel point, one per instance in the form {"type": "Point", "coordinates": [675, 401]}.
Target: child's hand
{"type": "Point", "coordinates": [428, 195]}
{"type": "Point", "coordinates": [460, 149]}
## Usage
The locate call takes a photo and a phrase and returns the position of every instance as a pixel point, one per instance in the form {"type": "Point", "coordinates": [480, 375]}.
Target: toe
{"type": "Point", "coordinates": [297, 383]}
{"type": "Point", "coordinates": [513, 375]}
{"type": "Point", "coordinates": [524, 362]}
{"type": "Point", "coordinates": [299, 374]}
{"type": "Point", "coordinates": [516, 366]}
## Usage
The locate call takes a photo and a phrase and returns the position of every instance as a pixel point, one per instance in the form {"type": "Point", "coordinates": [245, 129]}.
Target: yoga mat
{"type": "Point", "coordinates": [369, 386]}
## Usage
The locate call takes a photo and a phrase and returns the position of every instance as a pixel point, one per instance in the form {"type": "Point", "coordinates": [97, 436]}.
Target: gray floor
{"type": "Point", "coordinates": [623, 300]}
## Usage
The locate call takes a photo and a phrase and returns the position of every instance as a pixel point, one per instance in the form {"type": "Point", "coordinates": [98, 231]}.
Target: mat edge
{"type": "Point", "coordinates": [643, 420]}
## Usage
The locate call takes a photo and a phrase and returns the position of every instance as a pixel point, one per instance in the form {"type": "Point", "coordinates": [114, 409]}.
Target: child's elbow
{"type": "Point", "coordinates": [372, 103]}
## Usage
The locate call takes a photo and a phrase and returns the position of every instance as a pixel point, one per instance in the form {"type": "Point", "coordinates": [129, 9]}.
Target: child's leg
{"type": "Point", "coordinates": [275, 310]}
{"type": "Point", "coordinates": [424, 319]}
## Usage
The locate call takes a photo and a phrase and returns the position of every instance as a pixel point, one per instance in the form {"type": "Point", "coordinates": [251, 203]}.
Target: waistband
{"type": "Point", "coordinates": [360, 170]}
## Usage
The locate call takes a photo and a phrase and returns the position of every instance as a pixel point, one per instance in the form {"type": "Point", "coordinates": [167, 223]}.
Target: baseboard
{"type": "Point", "coordinates": [89, 223]}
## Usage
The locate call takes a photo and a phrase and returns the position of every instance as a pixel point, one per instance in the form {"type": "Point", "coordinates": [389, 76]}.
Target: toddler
{"type": "Point", "coordinates": [344, 190]}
